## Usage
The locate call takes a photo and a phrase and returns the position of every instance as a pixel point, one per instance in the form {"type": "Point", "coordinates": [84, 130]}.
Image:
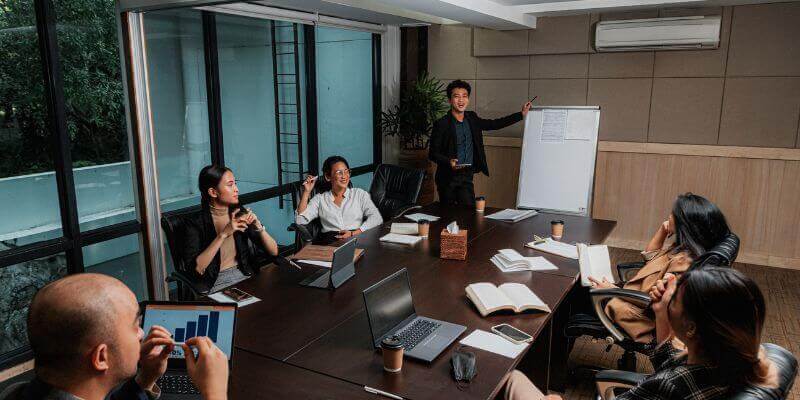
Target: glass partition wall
{"type": "Point", "coordinates": [124, 107]}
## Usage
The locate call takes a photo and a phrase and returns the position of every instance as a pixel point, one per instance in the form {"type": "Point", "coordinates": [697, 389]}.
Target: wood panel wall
{"type": "Point", "coordinates": [758, 190]}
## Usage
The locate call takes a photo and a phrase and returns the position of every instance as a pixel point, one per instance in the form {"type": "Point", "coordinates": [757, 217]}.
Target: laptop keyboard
{"type": "Point", "coordinates": [180, 384]}
{"type": "Point", "coordinates": [416, 332]}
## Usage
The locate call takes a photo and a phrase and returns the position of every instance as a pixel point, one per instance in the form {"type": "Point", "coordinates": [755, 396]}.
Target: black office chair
{"type": "Point", "coordinates": [601, 326]}
{"type": "Point", "coordinates": [395, 189]}
{"type": "Point", "coordinates": [174, 226]}
{"type": "Point", "coordinates": [612, 382]}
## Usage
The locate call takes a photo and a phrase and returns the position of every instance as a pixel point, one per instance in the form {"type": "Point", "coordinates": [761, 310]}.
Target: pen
{"type": "Point", "coordinates": [534, 98]}
{"type": "Point", "coordinates": [382, 393]}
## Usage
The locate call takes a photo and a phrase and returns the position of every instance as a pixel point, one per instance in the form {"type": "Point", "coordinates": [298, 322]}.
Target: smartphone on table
{"type": "Point", "coordinates": [512, 334]}
{"type": "Point", "coordinates": [236, 295]}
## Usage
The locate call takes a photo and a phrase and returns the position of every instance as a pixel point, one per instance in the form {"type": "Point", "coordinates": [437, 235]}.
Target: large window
{"type": "Point", "coordinates": [66, 180]}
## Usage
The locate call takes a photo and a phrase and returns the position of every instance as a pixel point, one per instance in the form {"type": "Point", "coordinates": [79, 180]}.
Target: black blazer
{"type": "Point", "coordinates": [200, 232]}
{"type": "Point", "coordinates": [37, 390]}
{"type": "Point", "coordinates": [443, 141]}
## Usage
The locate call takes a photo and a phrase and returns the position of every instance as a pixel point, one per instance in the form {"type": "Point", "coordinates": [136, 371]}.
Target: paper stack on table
{"type": "Point", "coordinates": [509, 260]}
{"type": "Point", "coordinates": [400, 239]}
{"type": "Point", "coordinates": [512, 215]}
{"type": "Point", "coordinates": [554, 247]}
{"type": "Point", "coordinates": [404, 228]}
{"type": "Point", "coordinates": [416, 217]}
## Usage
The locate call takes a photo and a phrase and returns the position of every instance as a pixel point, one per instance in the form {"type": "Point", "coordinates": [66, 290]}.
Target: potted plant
{"type": "Point", "coordinates": [422, 104]}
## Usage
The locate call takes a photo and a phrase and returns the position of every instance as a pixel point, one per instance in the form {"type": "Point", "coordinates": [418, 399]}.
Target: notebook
{"type": "Point", "coordinates": [594, 262]}
{"type": "Point", "coordinates": [320, 255]}
{"type": "Point", "coordinates": [509, 260]}
{"type": "Point", "coordinates": [555, 247]}
{"type": "Point", "coordinates": [494, 343]}
{"type": "Point", "coordinates": [405, 228]}
{"type": "Point", "coordinates": [515, 297]}
{"type": "Point", "coordinates": [400, 239]}
{"type": "Point", "coordinates": [512, 215]}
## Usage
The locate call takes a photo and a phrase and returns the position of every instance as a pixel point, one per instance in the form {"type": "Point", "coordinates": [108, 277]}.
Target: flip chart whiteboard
{"type": "Point", "coordinates": [559, 149]}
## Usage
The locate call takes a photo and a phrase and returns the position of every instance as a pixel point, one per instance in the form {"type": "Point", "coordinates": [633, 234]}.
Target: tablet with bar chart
{"type": "Point", "coordinates": [185, 321]}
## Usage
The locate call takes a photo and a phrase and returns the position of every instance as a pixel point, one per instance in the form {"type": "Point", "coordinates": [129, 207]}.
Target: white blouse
{"type": "Point", "coordinates": [356, 212]}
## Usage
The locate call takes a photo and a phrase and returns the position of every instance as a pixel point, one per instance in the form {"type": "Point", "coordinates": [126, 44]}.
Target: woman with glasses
{"type": "Point", "coordinates": [343, 211]}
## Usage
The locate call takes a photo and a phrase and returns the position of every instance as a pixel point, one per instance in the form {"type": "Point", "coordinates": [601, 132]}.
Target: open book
{"type": "Point", "coordinates": [515, 297]}
{"type": "Point", "coordinates": [509, 260]}
{"type": "Point", "coordinates": [595, 262]}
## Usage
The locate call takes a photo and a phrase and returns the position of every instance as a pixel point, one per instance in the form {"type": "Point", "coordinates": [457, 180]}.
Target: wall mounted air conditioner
{"type": "Point", "coordinates": [658, 34]}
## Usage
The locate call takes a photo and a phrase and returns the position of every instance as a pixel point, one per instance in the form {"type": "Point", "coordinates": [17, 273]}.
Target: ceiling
{"type": "Point", "coordinates": [493, 14]}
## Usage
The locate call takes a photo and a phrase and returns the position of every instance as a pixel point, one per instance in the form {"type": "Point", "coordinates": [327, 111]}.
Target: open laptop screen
{"type": "Point", "coordinates": [388, 303]}
{"type": "Point", "coordinates": [184, 321]}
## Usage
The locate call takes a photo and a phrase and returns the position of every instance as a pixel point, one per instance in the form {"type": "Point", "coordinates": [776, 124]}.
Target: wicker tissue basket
{"type": "Point", "coordinates": [454, 247]}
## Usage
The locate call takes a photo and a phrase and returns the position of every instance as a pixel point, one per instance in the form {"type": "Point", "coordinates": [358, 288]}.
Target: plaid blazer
{"type": "Point", "coordinates": [674, 379]}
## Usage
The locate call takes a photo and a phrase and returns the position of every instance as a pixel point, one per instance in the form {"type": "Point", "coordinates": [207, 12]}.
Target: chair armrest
{"type": "Point", "coordinates": [302, 230]}
{"type": "Point", "coordinates": [197, 288]}
{"type": "Point", "coordinates": [608, 380]}
{"type": "Point", "coordinates": [397, 213]}
{"type": "Point", "coordinates": [626, 271]}
{"type": "Point", "coordinates": [602, 296]}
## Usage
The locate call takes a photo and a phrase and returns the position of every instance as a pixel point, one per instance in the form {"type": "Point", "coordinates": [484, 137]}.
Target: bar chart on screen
{"type": "Point", "coordinates": [185, 324]}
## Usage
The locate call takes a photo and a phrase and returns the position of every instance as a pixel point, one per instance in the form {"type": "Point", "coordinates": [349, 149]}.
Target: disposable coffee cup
{"type": "Point", "coordinates": [480, 203]}
{"type": "Point", "coordinates": [557, 229]}
{"type": "Point", "coordinates": [392, 349]}
{"type": "Point", "coordinates": [423, 227]}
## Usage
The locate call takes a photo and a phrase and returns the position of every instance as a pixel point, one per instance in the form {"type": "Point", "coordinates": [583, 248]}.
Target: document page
{"type": "Point", "coordinates": [489, 295]}
{"type": "Point", "coordinates": [554, 126]}
{"type": "Point", "coordinates": [404, 228]}
{"type": "Point", "coordinates": [522, 295]}
{"type": "Point", "coordinates": [595, 262]}
{"type": "Point", "coordinates": [401, 239]}
{"type": "Point", "coordinates": [416, 217]}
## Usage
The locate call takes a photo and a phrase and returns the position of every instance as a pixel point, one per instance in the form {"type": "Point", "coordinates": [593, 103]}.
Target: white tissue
{"type": "Point", "coordinates": [452, 228]}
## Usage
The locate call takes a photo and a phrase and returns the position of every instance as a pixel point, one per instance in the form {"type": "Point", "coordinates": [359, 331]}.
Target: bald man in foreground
{"type": "Point", "coordinates": [86, 336]}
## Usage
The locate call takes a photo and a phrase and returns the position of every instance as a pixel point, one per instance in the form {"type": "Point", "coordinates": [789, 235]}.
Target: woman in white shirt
{"type": "Point", "coordinates": [342, 210]}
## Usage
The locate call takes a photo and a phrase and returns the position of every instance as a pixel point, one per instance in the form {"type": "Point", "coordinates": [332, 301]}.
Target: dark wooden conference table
{"type": "Point", "coordinates": [301, 342]}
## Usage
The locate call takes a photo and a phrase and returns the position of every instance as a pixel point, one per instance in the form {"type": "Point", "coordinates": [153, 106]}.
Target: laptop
{"type": "Point", "coordinates": [185, 320]}
{"type": "Point", "coordinates": [342, 268]}
{"type": "Point", "coordinates": [390, 310]}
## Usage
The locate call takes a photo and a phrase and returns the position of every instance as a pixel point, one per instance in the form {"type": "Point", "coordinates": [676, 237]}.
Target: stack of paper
{"type": "Point", "coordinates": [401, 239]}
{"type": "Point", "coordinates": [404, 228]}
{"type": "Point", "coordinates": [509, 260]}
{"type": "Point", "coordinates": [554, 247]}
{"type": "Point", "coordinates": [496, 344]}
{"type": "Point", "coordinates": [416, 217]}
{"type": "Point", "coordinates": [512, 215]}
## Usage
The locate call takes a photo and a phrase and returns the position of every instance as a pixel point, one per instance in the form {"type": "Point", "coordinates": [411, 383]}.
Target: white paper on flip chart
{"type": "Point", "coordinates": [577, 126]}
{"type": "Point", "coordinates": [493, 343]}
{"type": "Point", "coordinates": [554, 125]}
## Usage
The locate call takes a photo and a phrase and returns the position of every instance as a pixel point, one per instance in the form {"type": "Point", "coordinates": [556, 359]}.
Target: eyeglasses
{"type": "Point", "coordinates": [339, 173]}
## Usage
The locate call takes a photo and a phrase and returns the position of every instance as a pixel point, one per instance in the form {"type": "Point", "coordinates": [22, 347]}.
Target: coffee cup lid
{"type": "Point", "coordinates": [391, 342]}
{"type": "Point", "coordinates": [423, 221]}
{"type": "Point", "coordinates": [557, 221]}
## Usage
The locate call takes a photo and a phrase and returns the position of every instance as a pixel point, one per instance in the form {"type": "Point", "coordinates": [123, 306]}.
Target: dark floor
{"type": "Point", "coordinates": [781, 287]}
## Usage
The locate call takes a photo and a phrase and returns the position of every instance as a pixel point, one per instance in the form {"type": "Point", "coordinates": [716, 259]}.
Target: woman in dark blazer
{"type": "Point", "coordinates": [225, 242]}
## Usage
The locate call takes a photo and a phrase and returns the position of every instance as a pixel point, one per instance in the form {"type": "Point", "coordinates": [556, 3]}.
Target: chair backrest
{"type": "Point", "coordinates": [313, 228]}
{"type": "Point", "coordinates": [786, 364]}
{"type": "Point", "coordinates": [723, 254]}
{"type": "Point", "coordinates": [174, 226]}
{"type": "Point", "coordinates": [394, 187]}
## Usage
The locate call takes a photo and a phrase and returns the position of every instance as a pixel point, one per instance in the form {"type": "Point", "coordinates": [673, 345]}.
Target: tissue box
{"type": "Point", "coordinates": [454, 246]}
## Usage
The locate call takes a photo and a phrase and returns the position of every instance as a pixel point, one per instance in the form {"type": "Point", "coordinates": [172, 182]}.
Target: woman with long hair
{"type": "Point", "coordinates": [343, 211]}
{"type": "Point", "coordinates": [718, 315]}
{"type": "Point", "coordinates": [226, 242]}
{"type": "Point", "coordinates": [696, 225]}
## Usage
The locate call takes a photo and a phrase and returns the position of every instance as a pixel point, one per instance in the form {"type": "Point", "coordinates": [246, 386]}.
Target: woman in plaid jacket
{"type": "Point", "coordinates": [718, 313]}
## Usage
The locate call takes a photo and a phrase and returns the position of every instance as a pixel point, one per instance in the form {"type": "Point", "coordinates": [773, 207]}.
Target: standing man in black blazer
{"type": "Point", "coordinates": [456, 145]}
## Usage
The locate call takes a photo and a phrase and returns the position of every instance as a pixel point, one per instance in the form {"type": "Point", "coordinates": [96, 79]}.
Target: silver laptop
{"type": "Point", "coordinates": [342, 268]}
{"type": "Point", "coordinates": [390, 310]}
{"type": "Point", "coordinates": [185, 320]}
